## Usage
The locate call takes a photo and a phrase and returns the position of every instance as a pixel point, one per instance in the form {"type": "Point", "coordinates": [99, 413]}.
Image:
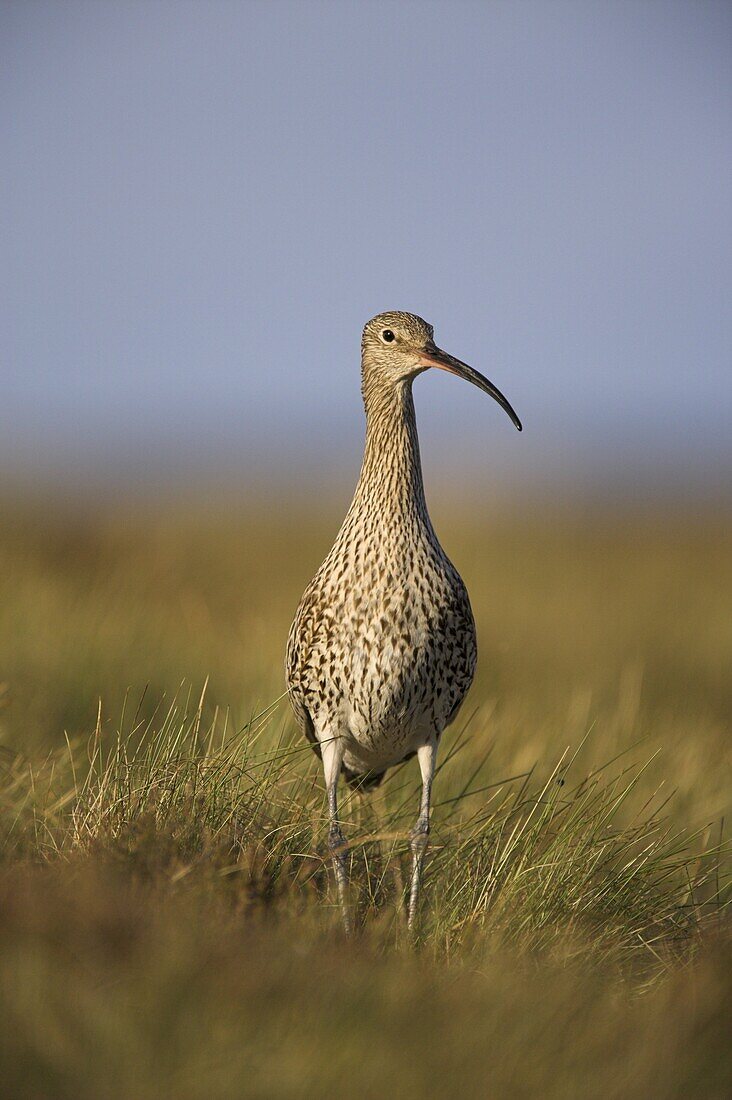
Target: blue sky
{"type": "Point", "coordinates": [201, 204]}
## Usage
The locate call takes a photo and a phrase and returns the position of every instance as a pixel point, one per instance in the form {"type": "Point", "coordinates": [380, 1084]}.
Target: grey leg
{"type": "Point", "coordinates": [332, 751]}
{"type": "Point", "coordinates": [427, 756]}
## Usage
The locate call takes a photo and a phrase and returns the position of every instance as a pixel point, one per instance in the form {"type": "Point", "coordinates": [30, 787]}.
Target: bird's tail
{"type": "Point", "coordinates": [362, 781]}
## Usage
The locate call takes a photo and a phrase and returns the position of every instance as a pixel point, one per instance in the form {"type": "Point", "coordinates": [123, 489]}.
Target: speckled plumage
{"type": "Point", "coordinates": [382, 650]}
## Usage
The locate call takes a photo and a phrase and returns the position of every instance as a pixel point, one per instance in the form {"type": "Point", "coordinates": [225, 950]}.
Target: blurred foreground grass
{"type": "Point", "coordinates": [166, 922]}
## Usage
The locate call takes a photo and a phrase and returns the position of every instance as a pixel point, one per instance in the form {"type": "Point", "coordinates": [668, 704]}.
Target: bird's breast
{"type": "Point", "coordinates": [387, 650]}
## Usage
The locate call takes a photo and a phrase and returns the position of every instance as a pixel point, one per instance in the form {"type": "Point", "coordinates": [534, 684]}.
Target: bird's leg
{"type": "Point", "coordinates": [332, 752]}
{"type": "Point", "coordinates": [426, 755]}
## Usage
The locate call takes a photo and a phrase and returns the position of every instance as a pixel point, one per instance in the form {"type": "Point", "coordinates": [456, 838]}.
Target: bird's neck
{"type": "Point", "coordinates": [391, 473]}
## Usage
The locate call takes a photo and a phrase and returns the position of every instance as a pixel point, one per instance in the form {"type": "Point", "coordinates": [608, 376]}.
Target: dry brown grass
{"type": "Point", "coordinates": [166, 914]}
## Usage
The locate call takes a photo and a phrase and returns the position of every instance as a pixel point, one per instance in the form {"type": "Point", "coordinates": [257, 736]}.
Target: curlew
{"type": "Point", "coordinates": [382, 649]}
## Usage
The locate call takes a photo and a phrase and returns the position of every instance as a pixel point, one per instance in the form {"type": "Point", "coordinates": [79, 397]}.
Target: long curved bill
{"type": "Point", "coordinates": [436, 357]}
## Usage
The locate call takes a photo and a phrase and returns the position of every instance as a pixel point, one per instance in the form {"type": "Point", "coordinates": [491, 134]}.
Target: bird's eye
{"type": "Point", "coordinates": [388, 336]}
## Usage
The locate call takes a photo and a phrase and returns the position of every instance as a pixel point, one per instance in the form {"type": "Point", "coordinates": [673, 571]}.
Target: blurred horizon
{"type": "Point", "coordinates": [203, 203]}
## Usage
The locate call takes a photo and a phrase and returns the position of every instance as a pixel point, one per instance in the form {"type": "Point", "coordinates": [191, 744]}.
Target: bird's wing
{"type": "Point", "coordinates": [294, 670]}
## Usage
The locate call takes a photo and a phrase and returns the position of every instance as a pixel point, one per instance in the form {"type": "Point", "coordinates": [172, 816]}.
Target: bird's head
{"type": "Point", "coordinates": [396, 347]}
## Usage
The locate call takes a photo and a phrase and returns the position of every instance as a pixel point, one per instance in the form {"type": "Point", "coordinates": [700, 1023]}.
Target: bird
{"type": "Point", "coordinates": [382, 650]}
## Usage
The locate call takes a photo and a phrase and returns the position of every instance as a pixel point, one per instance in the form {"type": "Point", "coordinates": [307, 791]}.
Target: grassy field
{"type": "Point", "coordinates": [167, 919]}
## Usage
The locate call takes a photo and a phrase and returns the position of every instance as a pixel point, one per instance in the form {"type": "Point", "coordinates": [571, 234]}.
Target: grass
{"type": "Point", "coordinates": [167, 916]}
